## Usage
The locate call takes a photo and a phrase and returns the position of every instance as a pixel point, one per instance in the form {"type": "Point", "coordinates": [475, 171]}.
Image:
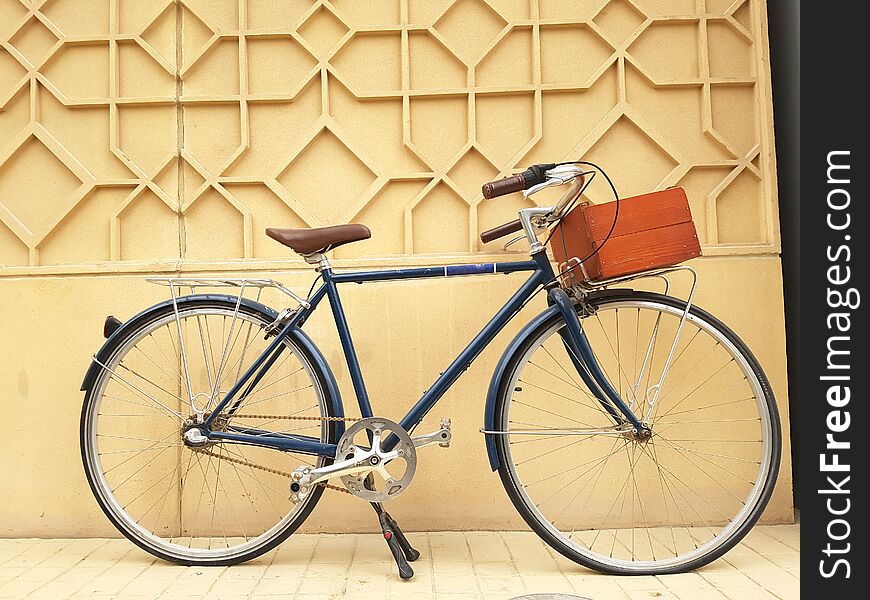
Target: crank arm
{"type": "Point", "coordinates": [342, 468]}
{"type": "Point", "coordinates": [304, 478]}
{"type": "Point", "coordinates": [441, 437]}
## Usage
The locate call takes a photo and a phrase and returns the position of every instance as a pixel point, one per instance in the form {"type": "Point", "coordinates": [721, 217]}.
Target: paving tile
{"type": "Point", "coordinates": [453, 566]}
{"type": "Point", "coordinates": [610, 595]}
{"type": "Point", "coordinates": [36, 553]}
{"type": "Point", "coordinates": [537, 584]}
{"type": "Point", "coordinates": [762, 543]}
{"type": "Point", "coordinates": [688, 594]}
{"type": "Point", "coordinates": [682, 581]}
{"type": "Point", "coordinates": [406, 596]}
{"type": "Point", "coordinates": [334, 549]}
{"type": "Point", "coordinates": [789, 535]}
{"type": "Point", "coordinates": [163, 572]}
{"type": "Point", "coordinates": [499, 596]}
{"type": "Point", "coordinates": [747, 593]}
{"type": "Point", "coordinates": [277, 586]}
{"type": "Point", "coordinates": [54, 590]}
{"type": "Point", "coordinates": [495, 569]}
{"type": "Point", "coordinates": [750, 562]}
{"type": "Point", "coordinates": [767, 578]}
{"type": "Point", "coordinates": [7, 573]}
{"type": "Point", "coordinates": [421, 583]}
{"type": "Point", "coordinates": [145, 587]}
{"type": "Point", "coordinates": [491, 585]}
{"type": "Point", "coordinates": [12, 548]}
{"type": "Point", "coordinates": [18, 588]}
{"type": "Point", "coordinates": [44, 574]}
{"type": "Point", "coordinates": [455, 584]}
{"type": "Point", "coordinates": [652, 595]}
{"type": "Point", "coordinates": [792, 560]}
{"type": "Point", "coordinates": [324, 570]}
{"type": "Point", "coordinates": [321, 586]}
{"type": "Point", "coordinates": [641, 582]}
{"type": "Point", "coordinates": [728, 579]}
{"type": "Point", "coordinates": [785, 592]}
{"type": "Point", "coordinates": [487, 546]}
{"type": "Point", "coordinates": [289, 569]}
{"type": "Point", "coordinates": [530, 555]}
{"type": "Point", "coordinates": [449, 546]}
{"type": "Point", "coordinates": [594, 583]}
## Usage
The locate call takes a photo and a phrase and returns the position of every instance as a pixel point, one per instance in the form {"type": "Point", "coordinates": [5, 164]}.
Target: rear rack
{"type": "Point", "coordinates": [178, 283]}
{"type": "Point", "coordinates": [177, 286]}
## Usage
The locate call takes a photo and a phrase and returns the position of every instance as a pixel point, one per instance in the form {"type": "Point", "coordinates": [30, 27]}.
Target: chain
{"type": "Point", "coordinates": [289, 417]}
{"type": "Point", "coordinates": [246, 463]}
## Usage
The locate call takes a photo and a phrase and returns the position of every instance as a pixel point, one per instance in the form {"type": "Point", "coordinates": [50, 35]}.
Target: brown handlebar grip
{"type": "Point", "coordinates": [500, 231]}
{"type": "Point", "coordinates": [500, 187]}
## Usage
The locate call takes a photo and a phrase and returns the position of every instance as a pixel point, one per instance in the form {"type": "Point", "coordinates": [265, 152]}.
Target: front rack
{"type": "Point", "coordinates": [584, 287]}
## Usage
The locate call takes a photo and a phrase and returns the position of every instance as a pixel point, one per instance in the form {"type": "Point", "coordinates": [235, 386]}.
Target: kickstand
{"type": "Point", "coordinates": [399, 546]}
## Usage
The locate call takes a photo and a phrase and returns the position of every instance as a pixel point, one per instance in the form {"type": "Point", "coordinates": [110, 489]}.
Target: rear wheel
{"type": "Point", "coordinates": [209, 505]}
{"type": "Point", "coordinates": [620, 502]}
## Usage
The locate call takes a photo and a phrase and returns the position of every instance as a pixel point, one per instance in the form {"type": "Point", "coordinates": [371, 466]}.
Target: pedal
{"type": "Point", "coordinates": [441, 437]}
{"type": "Point", "coordinates": [398, 544]}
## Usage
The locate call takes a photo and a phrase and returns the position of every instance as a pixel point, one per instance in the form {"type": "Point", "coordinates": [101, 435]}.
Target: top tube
{"type": "Point", "coordinates": [440, 271]}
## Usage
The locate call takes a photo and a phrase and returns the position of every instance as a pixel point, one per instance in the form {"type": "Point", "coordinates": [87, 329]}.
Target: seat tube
{"type": "Point", "coordinates": [356, 377]}
{"type": "Point", "coordinates": [587, 366]}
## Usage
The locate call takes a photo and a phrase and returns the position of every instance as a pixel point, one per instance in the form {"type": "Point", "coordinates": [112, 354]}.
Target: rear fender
{"type": "Point", "coordinates": [318, 361]}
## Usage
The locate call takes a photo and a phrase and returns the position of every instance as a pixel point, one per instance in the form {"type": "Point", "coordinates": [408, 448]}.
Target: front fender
{"type": "Point", "coordinates": [501, 374]}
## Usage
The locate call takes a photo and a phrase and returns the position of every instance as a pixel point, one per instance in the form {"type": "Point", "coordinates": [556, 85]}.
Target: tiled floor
{"type": "Point", "coordinates": [454, 566]}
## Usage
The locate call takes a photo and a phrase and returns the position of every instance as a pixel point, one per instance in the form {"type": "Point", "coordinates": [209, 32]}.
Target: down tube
{"type": "Point", "coordinates": [543, 274]}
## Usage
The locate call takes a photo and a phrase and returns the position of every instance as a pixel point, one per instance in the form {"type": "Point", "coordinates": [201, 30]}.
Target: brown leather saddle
{"type": "Point", "coordinates": [319, 239]}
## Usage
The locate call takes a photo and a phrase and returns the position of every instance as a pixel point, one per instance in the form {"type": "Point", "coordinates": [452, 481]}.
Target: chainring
{"type": "Point", "coordinates": [378, 484]}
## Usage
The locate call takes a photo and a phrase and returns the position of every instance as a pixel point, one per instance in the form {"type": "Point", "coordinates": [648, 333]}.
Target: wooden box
{"type": "Point", "coordinates": [653, 231]}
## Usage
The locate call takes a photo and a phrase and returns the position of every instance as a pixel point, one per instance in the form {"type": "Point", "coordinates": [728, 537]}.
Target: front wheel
{"type": "Point", "coordinates": [623, 503]}
{"type": "Point", "coordinates": [219, 504]}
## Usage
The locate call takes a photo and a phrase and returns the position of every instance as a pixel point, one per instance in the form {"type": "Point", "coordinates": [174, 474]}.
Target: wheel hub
{"type": "Point", "coordinates": [640, 436]}
{"type": "Point", "coordinates": [192, 434]}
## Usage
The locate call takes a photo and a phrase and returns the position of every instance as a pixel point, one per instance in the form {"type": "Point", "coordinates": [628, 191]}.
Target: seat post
{"type": "Point", "coordinates": [319, 259]}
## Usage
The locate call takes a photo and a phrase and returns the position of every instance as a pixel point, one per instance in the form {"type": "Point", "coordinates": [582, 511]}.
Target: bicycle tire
{"type": "Point", "coordinates": [548, 532]}
{"type": "Point", "coordinates": [148, 321]}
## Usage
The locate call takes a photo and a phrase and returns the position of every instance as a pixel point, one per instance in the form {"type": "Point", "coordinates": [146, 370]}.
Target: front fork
{"type": "Point", "coordinates": [586, 364]}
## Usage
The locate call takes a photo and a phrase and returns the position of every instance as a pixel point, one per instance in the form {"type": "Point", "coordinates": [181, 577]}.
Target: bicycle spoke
{"type": "Point", "coordinates": [553, 358]}
{"type": "Point", "coordinates": [557, 395]}
{"type": "Point", "coordinates": [199, 504]}
{"type": "Point", "coordinates": [616, 354]}
{"type": "Point", "coordinates": [636, 502]}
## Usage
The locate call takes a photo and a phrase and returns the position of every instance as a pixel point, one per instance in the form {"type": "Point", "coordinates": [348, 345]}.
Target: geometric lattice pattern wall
{"type": "Point", "coordinates": [133, 130]}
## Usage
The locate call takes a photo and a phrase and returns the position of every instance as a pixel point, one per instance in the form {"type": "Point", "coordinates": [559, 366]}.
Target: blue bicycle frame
{"type": "Point", "coordinates": [542, 277]}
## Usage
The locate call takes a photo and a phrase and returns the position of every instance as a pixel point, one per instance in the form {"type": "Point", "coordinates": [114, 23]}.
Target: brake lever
{"type": "Point", "coordinates": [514, 241]}
{"type": "Point", "coordinates": [540, 186]}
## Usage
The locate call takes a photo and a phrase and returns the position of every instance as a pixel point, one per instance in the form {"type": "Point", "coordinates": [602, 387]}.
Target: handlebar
{"type": "Point", "coordinates": [538, 177]}
{"type": "Point", "coordinates": [500, 231]}
{"type": "Point", "coordinates": [532, 176]}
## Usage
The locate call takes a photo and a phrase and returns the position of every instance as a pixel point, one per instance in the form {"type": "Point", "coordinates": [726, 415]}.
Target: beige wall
{"type": "Point", "coordinates": [159, 137]}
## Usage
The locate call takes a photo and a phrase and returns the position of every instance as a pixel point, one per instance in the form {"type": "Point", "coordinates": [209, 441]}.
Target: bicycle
{"type": "Point", "coordinates": [188, 455]}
